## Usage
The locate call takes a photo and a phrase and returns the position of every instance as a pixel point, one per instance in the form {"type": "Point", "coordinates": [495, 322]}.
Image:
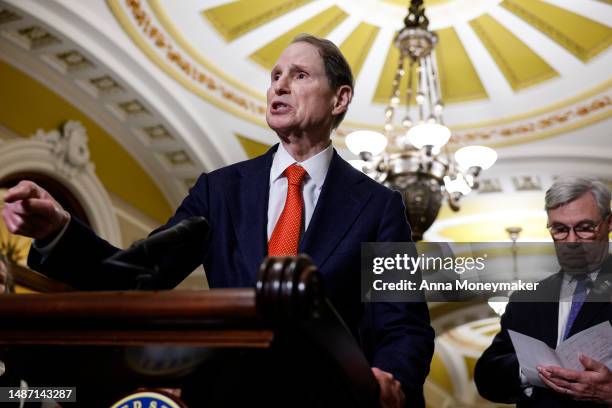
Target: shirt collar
{"type": "Point", "coordinates": [316, 166]}
{"type": "Point", "coordinates": [570, 277]}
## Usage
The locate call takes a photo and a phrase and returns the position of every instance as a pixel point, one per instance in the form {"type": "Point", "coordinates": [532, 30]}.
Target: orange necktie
{"type": "Point", "coordinates": [286, 234]}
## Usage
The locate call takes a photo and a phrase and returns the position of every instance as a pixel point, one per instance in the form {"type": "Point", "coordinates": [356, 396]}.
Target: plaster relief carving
{"type": "Point", "coordinates": [69, 146]}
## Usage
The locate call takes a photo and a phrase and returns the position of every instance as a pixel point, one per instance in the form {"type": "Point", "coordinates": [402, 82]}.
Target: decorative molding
{"type": "Point", "coordinates": [154, 32]}
{"type": "Point", "coordinates": [64, 156]}
{"type": "Point", "coordinates": [132, 108]}
{"type": "Point", "coordinates": [150, 113]}
{"type": "Point", "coordinates": [105, 84]}
{"type": "Point", "coordinates": [157, 132]}
{"type": "Point", "coordinates": [147, 33]}
{"type": "Point", "coordinates": [8, 16]}
{"type": "Point", "coordinates": [70, 148]}
{"type": "Point", "coordinates": [527, 183]}
{"type": "Point", "coordinates": [596, 107]}
{"type": "Point", "coordinates": [71, 60]}
{"type": "Point", "coordinates": [491, 185]}
{"type": "Point", "coordinates": [33, 37]}
{"type": "Point", "coordinates": [178, 158]}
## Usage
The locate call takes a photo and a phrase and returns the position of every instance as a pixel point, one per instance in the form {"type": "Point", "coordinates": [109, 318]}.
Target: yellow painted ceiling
{"type": "Point", "coordinates": [239, 17]}
{"type": "Point", "coordinates": [251, 147]}
{"type": "Point", "coordinates": [508, 50]}
{"type": "Point", "coordinates": [520, 65]}
{"type": "Point", "coordinates": [579, 35]}
{"type": "Point", "coordinates": [26, 105]}
{"type": "Point", "coordinates": [459, 81]}
{"type": "Point", "coordinates": [319, 25]}
{"type": "Point", "coordinates": [385, 83]}
{"type": "Point", "coordinates": [356, 47]}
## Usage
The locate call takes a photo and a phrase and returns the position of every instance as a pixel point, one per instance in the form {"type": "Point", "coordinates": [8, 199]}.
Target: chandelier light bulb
{"type": "Point", "coordinates": [420, 98]}
{"type": "Point", "coordinates": [395, 100]}
{"type": "Point", "coordinates": [458, 185]}
{"type": "Point", "coordinates": [406, 122]}
{"type": "Point", "coordinates": [366, 141]}
{"type": "Point", "coordinates": [358, 164]}
{"type": "Point", "coordinates": [475, 156]}
{"type": "Point", "coordinates": [428, 134]}
{"type": "Point", "coordinates": [470, 180]}
{"type": "Point", "coordinates": [388, 112]}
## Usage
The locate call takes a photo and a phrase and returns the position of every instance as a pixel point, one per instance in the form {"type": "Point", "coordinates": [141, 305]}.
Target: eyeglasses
{"type": "Point", "coordinates": [585, 230]}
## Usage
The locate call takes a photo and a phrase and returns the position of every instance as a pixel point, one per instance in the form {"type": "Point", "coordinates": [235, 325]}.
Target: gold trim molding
{"type": "Point", "coordinates": [151, 29]}
{"type": "Point", "coordinates": [147, 33]}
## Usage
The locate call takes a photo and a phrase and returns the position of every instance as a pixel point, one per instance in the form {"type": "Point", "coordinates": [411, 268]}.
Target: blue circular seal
{"type": "Point", "coordinates": [146, 399]}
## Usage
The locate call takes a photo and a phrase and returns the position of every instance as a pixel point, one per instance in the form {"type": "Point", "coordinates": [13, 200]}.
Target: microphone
{"type": "Point", "coordinates": [144, 258]}
{"type": "Point", "coordinates": [183, 233]}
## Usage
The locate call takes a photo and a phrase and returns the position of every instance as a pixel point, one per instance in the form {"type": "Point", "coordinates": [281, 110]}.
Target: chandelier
{"type": "Point", "coordinates": [414, 157]}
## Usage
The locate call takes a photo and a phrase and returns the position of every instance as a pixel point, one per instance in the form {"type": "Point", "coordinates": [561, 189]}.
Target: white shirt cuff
{"type": "Point", "coordinates": [46, 250]}
{"type": "Point", "coordinates": [527, 388]}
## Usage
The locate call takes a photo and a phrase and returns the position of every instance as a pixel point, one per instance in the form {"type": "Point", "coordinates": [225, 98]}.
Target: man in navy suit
{"type": "Point", "coordinates": [299, 197]}
{"type": "Point", "coordinates": [579, 221]}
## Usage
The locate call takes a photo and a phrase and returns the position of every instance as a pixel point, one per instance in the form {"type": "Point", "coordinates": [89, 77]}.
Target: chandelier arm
{"type": "Point", "coordinates": [430, 86]}
{"type": "Point", "coordinates": [409, 88]}
{"type": "Point", "coordinates": [420, 94]}
{"type": "Point", "coordinates": [436, 81]}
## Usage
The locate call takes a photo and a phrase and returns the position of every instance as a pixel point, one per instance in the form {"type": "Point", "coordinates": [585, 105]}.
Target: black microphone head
{"type": "Point", "coordinates": [185, 232]}
{"type": "Point", "coordinates": [196, 226]}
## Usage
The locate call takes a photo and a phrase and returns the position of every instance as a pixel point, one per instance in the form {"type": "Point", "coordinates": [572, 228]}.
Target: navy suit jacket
{"type": "Point", "coordinates": [497, 371]}
{"type": "Point", "coordinates": [351, 209]}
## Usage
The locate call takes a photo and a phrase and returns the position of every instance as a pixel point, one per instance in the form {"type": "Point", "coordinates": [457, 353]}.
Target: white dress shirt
{"type": "Point", "coordinates": [316, 168]}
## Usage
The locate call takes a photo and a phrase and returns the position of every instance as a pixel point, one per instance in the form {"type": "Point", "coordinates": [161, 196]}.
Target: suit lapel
{"type": "Point", "coordinates": [595, 302]}
{"type": "Point", "coordinates": [549, 311]}
{"type": "Point", "coordinates": [342, 199]}
{"type": "Point", "coordinates": [250, 211]}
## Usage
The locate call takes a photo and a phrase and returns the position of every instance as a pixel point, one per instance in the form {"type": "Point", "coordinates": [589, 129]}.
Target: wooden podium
{"type": "Point", "coordinates": [278, 344]}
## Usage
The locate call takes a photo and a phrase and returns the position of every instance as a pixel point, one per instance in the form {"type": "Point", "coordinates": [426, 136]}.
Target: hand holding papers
{"type": "Point", "coordinates": [579, 367]}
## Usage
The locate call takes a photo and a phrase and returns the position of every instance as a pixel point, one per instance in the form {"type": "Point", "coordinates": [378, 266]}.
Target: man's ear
{"type": "Point", "coordinates": [343, 97]}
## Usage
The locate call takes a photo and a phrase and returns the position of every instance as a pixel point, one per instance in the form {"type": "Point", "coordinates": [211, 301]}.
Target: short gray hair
{"type": "Point", "coordinates": [337, 69]}
{"type": "Point", "coordinates": [568, 188]}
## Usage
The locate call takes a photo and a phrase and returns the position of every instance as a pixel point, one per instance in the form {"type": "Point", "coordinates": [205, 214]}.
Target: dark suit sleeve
{"type": "Point", "coordinates": [399, 333]}
{"type": "Point", "coordinates": [77, 257]}
{"type": "Point", "coordinates": [497, 370]}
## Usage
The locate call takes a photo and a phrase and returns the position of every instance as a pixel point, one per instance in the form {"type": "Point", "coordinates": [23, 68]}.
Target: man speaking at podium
{"type": "Point", "coordinates": [299, 197]}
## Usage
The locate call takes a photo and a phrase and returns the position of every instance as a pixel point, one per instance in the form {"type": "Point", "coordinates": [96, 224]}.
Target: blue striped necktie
{"type": "Point", "coordinates": [580, 294]}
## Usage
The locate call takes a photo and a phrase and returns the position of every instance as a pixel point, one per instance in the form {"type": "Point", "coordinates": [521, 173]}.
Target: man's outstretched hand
{"type": "Point", "coordinates": [592, 384]}
{"type": "Point", "coordinates": [391, 394]}
{"type": "Point", "coordinates": [31, 211]}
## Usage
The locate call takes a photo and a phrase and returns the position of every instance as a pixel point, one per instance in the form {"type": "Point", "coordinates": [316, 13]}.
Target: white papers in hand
{"type": "Point", "coordinates": [593, 342]}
